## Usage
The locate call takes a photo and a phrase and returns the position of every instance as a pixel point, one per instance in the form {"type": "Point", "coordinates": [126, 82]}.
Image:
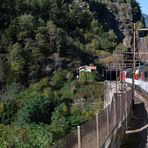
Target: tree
{"type": "Point", "coordinates": [108, 41]}
{"type": "Point", "coordinates": [59, 123]}
{"type": "Point", "coordinates": [58, 12]}
{"type": "Point", "coordinates": [76, 117]}
{"type": "Point", "coordinates": [37, 109]}
{"type": "Point", "coordinates": [79, 13]}
{"type": "Point", "coordinates": [8, 110]}
{"type": "Point", "coordinates": [2, 71]}
{"type": "Point", "coordinates": [136, 11]}
{"type": "Point", "coordinates": [57, 80]}
{"type": "Point", "coordinates": [7, 12]}
{"type": "Point", "coordinates": [17, 63]}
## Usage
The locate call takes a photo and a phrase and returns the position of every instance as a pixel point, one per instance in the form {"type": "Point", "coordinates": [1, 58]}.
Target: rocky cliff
{"type": "Point", "coordinates": [124, 18]}
{"type": "Point", "coordinates": [142, 42]}
{"type": "Point", "coordinates": [143, 49]}
{"type": "Point", "coordinates": [119, 17]}
{"type": "Point", "coordinates": [146, 19]}
{"type": "Point", "coordinates": [122, 23]}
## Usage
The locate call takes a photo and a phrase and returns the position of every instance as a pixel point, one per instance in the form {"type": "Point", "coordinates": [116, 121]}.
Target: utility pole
{"type": "Point", "coordinates": [122, 61]}
{"type": "Point", "coordinates": [134, 53]}
{"type": "Point", "coordinates": [133, 80]}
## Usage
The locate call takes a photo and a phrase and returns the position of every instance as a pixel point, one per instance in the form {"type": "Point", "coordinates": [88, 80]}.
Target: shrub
{"type": "Point", "coordinates": [38, 109]}
{"type": "Point", "coordinates": [59, 123]}
{"type": "Point", "coordinates": [88, 76]}
{"type": "Point", "coordinates": [31, 135]}
{"type": "Point", "coordinates": [57, 80]}
{"type": "Point", "coordinates": [76, 117]}
{"type": "Point", "coordinates": [8, 110]}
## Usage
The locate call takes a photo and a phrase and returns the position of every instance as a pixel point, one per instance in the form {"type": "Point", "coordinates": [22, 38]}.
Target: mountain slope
{"type": "Point", "coordinates": [42, 44]}
{"type": "Point", "coordinates": [146, 19]}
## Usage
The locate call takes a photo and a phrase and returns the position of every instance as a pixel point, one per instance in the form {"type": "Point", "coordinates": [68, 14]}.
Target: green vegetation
{"type": "Point", "coordinates": [42, 114]}
{"type": "Point", "coordinates": [40, 37]}
{"type": "Point", "coordinates": [91, 76]}
{"type": "Point", "coordinates": [42, 43]}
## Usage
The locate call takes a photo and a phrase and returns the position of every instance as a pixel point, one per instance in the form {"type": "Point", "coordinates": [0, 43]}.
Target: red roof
{"type": "Point", "coordinates": [87, 67]}
{"type": "Point", "coordinates": [92, 67]}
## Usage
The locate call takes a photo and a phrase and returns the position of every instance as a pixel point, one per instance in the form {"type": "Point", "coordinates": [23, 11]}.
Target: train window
{"type": "Point", "coordinates": [129, 74]}
{"type": "Point", "coordinates": [141, 75]}
{"type": "Point", "coordinates": [146, 75]}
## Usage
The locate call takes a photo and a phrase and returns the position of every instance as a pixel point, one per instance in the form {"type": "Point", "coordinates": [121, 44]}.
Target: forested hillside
{"type": "Point", "coordinates": [42, 44]}
{"type": "Point", "coordinates": [39, 37]}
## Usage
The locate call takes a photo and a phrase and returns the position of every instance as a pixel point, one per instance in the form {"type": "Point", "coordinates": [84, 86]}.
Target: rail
{"type": "Point", "coordinates": [140, 91]}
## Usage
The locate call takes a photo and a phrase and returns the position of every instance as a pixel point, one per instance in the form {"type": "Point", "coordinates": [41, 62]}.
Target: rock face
{"type": "Point", "coordinates": [146, 19]}
{"type": "Point", "coordinates": [123, 25]}
{"type": "Point", "coordinates": [143, 49]}
{"type": "Point", "coordinates": [142, 44]}
{"type": "Point", "coordinates": [123, 15]}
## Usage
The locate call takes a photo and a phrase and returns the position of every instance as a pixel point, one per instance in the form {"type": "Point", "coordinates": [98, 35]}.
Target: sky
{"type": "Point", "coordinates": [143, 5]}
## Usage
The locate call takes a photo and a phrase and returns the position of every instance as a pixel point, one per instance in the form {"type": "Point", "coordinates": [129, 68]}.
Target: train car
{"type": "Point", "coordinates": [129, 75]}
{"type": "Point", "coordinates": [143, 77]}
{"type": "Point", "coordinates": [144, 72]}
{"type": "Point", "coordinates": [140, 76]}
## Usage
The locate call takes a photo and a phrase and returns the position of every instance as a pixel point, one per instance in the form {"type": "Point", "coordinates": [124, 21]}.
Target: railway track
{"type": "Point", "coordinates": [143, 93]}
{"type": "Point", "coordinates": [140, 91]}
{"type": "Point", "coordinates": [142, 96]}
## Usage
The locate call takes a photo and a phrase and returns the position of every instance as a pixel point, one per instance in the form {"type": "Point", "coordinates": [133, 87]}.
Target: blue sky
{"type": "Point", "coordinates": [143, 5]}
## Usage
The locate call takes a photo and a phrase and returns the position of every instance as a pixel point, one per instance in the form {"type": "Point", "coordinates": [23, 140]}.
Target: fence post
{"type": "Point", "coordinates": [120, 97]}
{"type": "Point", "coordinates": [79, 136]}
{"type": "Point", "coordinates": [108, 119]}
{"type": "Point", "coordinates": [97, 128]}
{"type": "Point", "coordinates": [126, 110]}
{"type": "Point", "coordinates": [122, 105]}
{"type": "Point", "coordinates": [115, 117]}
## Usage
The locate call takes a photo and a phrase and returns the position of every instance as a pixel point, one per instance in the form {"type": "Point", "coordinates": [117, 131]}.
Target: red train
{"type": "Point", "coordinates": [141, 73]}
{"type": "Point", "coordinates": [140, 76]}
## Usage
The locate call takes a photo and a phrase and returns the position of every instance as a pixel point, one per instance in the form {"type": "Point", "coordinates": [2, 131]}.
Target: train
{"type": "Point", "coordinates": [140, 76]}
